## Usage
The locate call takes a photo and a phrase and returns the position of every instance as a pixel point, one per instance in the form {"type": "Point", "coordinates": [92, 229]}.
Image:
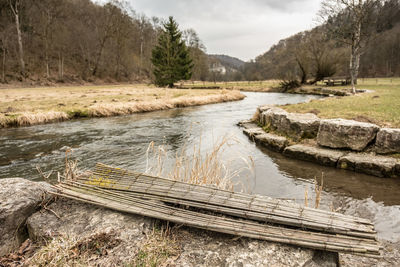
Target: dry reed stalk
{"type": "Point", "coordinates": [318, 190]}
{"type": "Point", "coordinates": [198, 168]}
{"type": "Point", "coordinates": [306, 197]}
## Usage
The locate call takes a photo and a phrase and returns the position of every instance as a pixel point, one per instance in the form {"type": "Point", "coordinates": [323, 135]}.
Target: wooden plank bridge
{"type": "Point", "coordinates": [226, 212]}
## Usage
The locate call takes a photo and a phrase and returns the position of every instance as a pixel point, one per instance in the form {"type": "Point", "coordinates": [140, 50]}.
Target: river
{"type": "Point", "coordinates": [123, 142]}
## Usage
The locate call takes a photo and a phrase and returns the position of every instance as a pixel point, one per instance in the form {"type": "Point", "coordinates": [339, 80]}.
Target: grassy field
{"type": "Point", "coordinates": [251, 86]}
{"type": "Point", "coordinates": [28, 106]}
{"type": "Point", "coordinates": [382, 106]}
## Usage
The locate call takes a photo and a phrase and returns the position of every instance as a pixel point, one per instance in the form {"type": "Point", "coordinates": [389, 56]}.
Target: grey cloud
{"type": "Point", "coordinates": [240, 28]}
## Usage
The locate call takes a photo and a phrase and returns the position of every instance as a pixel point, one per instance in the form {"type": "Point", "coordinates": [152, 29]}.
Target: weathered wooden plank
{"type": "Point", "coordinates": [137, 205]}
{"type": "Point", "coordinates": [231, 203]}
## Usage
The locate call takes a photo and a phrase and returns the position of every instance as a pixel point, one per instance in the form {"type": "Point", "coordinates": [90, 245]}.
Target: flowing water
{"type": "Point", "coordinates": [123, 142]}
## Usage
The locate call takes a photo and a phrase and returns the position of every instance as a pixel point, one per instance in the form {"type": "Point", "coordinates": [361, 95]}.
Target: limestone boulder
{"type": "Point", "coordinates": [261, 110]}
{"type": "Point", "coordinates": [295, 125]}
{"type": "Point", "coordinates": [273, 117]}
{"type": "Point", "coordinates": [323, 156]}
{"type": "Point", "coordinates": [19, 199]}
{"type": "Point", "coordinates": [346, 134]}
{"type": "Point", "coordinates": [272, 141]}
{"type": "Point", "coordinates": [369, 163]}
{"type": "Point", "coordinates": [388, 141]}
{"type": "Point", "coordinates": [264, 108]}
{"type": "Point", "coordinates": [299, 126]}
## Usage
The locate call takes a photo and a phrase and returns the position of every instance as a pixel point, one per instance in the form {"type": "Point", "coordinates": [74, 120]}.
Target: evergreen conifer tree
{"type": "Point", "coordinates": [171, 57]}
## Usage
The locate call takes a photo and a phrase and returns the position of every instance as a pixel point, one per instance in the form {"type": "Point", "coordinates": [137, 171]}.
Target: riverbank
{"type": "Point", "coordinates": [30, 106]}
{"type": "Point", "coordinates": [328, 139]}
{"type": "Point", "coordinates": [381, 106]}
{"type": "Point", "coordinates": [39, 231]}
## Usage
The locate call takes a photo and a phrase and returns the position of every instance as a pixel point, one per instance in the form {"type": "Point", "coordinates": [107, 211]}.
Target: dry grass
{"type": "Point", "coordinates": [201, 168]}
{"type": "Point", "coordinates": [29, 106]}
{"type": "Point", "coordinates": [72, 251]}
{"type": "Point", "coordinates": [160, 248]}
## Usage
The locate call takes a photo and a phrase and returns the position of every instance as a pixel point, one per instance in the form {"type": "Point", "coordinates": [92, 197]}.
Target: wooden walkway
{"type": "Point", "coordinates": [224, 211]}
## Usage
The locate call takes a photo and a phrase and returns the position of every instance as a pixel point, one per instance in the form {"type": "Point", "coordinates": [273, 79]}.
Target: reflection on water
{"type": "Point", "coordinates": [123, 141]}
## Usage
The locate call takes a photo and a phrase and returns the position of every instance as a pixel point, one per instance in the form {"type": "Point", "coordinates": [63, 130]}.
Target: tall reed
{"type": "Point", "coordinates": [197, 167]}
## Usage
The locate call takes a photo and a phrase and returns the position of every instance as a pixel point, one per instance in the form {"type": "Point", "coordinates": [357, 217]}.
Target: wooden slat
{"type": "Point", "coordinates": [120, 201]}
{"type": "Point", "coordinates": [242, 205]}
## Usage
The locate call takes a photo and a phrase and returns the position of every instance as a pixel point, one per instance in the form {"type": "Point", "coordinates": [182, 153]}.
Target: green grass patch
{"type": "Point", "coordinates": [382, 106]}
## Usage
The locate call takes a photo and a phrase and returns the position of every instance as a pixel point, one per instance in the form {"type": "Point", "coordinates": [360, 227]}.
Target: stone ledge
{"type": "Point", "coordinates": [346, 134]}
{"type": "Point", "coordinates": [370, 164]}
{"type": "Point", "coordinates": [323, 156]}
{"type": "Point", "coordinates": [271, 141]}
{"type": "Point", "coordinates": [253, 132]}
{"type": "Point", "coordinates": [388, 141]}
{"type": "Point", "coordinates": [294, 125]}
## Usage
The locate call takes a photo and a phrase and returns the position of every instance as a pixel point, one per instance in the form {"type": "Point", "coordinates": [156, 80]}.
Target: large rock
{"type": "Point", "coordinates": [347, 134]}
{"type": "Point", "coordinates": [273, 117]}
{"type": "Point", "coordinates": [323, 156]}
{"type": "Point", "coordinates": [368, 163]}
{"type": "Point", "coordinates": [299, 126]}
{"type": "Point", "coordinates": [19, 199]}
{"type": "Point", "coordinates": [264, 108]}
{"type": "Point", "coordinates": [295, 125]}
{"type": "Point", "coordinates": [197, 247]}
{"type": "Point", "coordinates": [261, 110]}
{"type": "Point", "coordinates": [388, 141]}
{"type": "Point", "coordinates": [272, 141]}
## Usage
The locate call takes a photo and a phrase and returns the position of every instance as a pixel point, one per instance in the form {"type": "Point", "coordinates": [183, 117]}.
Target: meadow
{"type": "Point", "coordinates": [29, 106]}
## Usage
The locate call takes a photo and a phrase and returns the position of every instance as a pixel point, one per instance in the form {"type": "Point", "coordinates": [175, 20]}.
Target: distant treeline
{"type": "Point", "coordinates": [315, 53]}
{"type": "Point", "coordinates": [78, 40]}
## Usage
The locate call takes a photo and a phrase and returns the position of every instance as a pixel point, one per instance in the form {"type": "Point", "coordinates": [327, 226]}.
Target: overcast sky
{"type": "Point", "coordinates": [238, 28]}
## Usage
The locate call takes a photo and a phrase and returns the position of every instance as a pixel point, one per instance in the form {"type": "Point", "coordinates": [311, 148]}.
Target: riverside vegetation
{"type": "Point", "coordinates": [380, 106]}
{"type": "Point", "coordinates": [29, 106]}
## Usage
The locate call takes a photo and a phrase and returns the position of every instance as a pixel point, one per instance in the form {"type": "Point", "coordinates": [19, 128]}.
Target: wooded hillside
{"type": "Point", "coordinates": [307, 54]}
{"type": "Point", "coordinates": [77, 40]}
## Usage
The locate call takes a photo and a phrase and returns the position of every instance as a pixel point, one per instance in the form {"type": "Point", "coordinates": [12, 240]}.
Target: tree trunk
{"type": "Point", "coordinates": [60, 66]}
{"type": "Point", "coordinates": [355, 58]}
{"type": "Point", "coordinates": [303, 71]}
{"type": "Point", "coordinates": [4, 66]}
{"type": "Point", "coordinates": [47, 59]}
{"type": "Point", "coordinates": [19, 38]}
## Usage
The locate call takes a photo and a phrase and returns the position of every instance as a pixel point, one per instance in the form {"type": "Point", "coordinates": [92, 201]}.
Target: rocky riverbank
{"type": "Point", "coordinates": [345, 144]}
{"type": "Point", "coordinates": [39, 233]}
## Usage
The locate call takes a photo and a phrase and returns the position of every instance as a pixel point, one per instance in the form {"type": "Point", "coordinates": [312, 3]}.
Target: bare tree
{"type": "Point", "coordinates": [350, 21]}
{"type": "Point", "coordinates": [15, 8]}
